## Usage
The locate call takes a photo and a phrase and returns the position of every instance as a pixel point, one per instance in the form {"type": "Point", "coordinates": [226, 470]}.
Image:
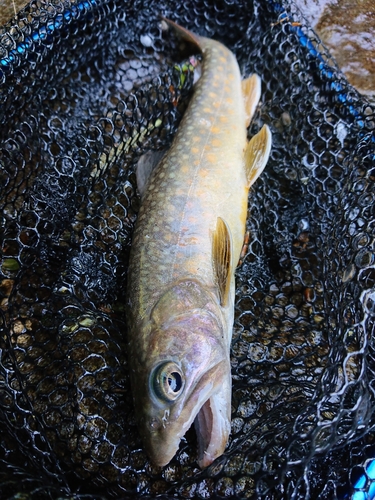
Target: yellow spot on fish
{"type": "Point", "coordinates": [222, 59]}
{"type": "Point", "coordinates": [211, 157]}
{"type": "Point", "coordinates": [216, 142]}
{"type": "Point", "coordinates": [215, 130]}
{"type": "Point", "coordinates": [195, 150]}
{"type": "Point", "coordinates": [230, 76]}
{"type": "Point", "coordinates": [212, 94]}
{"type": "Point", "coordinates": [191, 241]}
{"type": "Point", "coordinates": [223, 118]}
{"type": "Point", "coordinates": [229, 101]}
{"type": "Point", "coordinates": [196, 138]}
{"type": "Point", "coordinates": [207, 110]}
{"type": "Point", "coordinates": [185, 169]}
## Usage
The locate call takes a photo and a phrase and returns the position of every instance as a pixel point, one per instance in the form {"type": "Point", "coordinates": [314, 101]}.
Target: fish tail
{"type": "Point", "coordinates": [184, 33]}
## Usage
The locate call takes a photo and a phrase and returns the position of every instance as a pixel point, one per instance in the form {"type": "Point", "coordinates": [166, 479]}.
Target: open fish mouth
{"type": "Point", "coordinates": [207, 408]}
{"type": "Point", "coordinates": [212, 428]}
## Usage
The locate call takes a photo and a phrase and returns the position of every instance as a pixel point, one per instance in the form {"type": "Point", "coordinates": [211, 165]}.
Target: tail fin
{"type": "Point", "coordinates": [184, 33]}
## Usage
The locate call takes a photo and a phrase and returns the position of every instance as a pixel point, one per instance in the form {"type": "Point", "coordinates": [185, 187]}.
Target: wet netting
{"type": "Point", "coordinates": [86, 88]}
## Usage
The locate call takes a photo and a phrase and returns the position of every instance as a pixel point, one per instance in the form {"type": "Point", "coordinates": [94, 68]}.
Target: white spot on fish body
{"type": "Point", "coordinates": [204, 122]}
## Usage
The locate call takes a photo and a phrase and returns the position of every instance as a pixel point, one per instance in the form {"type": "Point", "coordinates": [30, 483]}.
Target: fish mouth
{"type": "Point", "coordinates": [208, 407]}
{"type": "Point", "coordinates": [212, 427]}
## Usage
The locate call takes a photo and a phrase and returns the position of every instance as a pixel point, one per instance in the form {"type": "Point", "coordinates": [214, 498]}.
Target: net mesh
{"type": "Point", "coordinates": [86, 87]}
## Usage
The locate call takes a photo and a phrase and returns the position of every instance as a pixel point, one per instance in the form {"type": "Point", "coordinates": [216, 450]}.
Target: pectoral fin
{"type": "Point", "coordinates": [257, 153]}
{"type": "Point", "coordinates": [145, 166]}
{"type": "Point", "coordinates": [222, 255]}
{"type": "Point", "coordinates": [251, 90]}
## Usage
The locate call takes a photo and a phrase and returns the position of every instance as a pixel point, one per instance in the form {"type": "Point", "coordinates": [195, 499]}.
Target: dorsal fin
{"type": "Point", "coordinates": [222, 257]}
{"type": "Point", "coordinates": [257, 153]}
{"type": "Point", "coordinates": [251, 90]}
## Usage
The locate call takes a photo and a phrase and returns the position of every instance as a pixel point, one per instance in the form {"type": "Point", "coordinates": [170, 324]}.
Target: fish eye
{"type": "Point", "coordinates": [168, 381]}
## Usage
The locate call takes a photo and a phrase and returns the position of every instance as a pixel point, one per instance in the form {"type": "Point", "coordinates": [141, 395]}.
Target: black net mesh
{"type": "Point", "coordinates": [88, 86]}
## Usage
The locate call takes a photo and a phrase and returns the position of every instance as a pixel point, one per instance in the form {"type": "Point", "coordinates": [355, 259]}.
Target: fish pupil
{"type": "Point", "coordinates": [174, 381]}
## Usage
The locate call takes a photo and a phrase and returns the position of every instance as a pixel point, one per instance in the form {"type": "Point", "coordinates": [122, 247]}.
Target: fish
{"type": "Point", "coordinates": [186, 245]}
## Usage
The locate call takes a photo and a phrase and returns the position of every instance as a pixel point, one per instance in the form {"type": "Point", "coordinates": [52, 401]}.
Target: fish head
{"type": "Point", "coordinates": [185, 377]}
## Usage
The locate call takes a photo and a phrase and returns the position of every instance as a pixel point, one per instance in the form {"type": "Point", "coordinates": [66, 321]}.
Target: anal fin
{"type": "Point", "coordinates": [251, 90]}
{"type": "Point", "coordinates": [222, 256]}
{"type": "Point", "coordinates": [257, 153]}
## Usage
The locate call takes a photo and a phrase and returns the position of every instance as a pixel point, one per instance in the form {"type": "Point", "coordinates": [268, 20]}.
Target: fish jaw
{"type": "Point", "coordinates": [209, 407]}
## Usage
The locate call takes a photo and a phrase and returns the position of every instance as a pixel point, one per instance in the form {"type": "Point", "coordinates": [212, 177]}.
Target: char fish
{"type": "Point", "coordinates": [186, 245]}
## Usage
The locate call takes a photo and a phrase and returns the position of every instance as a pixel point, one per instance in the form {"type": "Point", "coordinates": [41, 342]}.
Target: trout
{"type": "Point", "coordinates": [186, 245]}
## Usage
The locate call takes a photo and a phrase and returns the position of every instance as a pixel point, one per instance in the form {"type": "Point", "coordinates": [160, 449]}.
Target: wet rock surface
{"type": "Point", "coordinates": [347, 28]}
